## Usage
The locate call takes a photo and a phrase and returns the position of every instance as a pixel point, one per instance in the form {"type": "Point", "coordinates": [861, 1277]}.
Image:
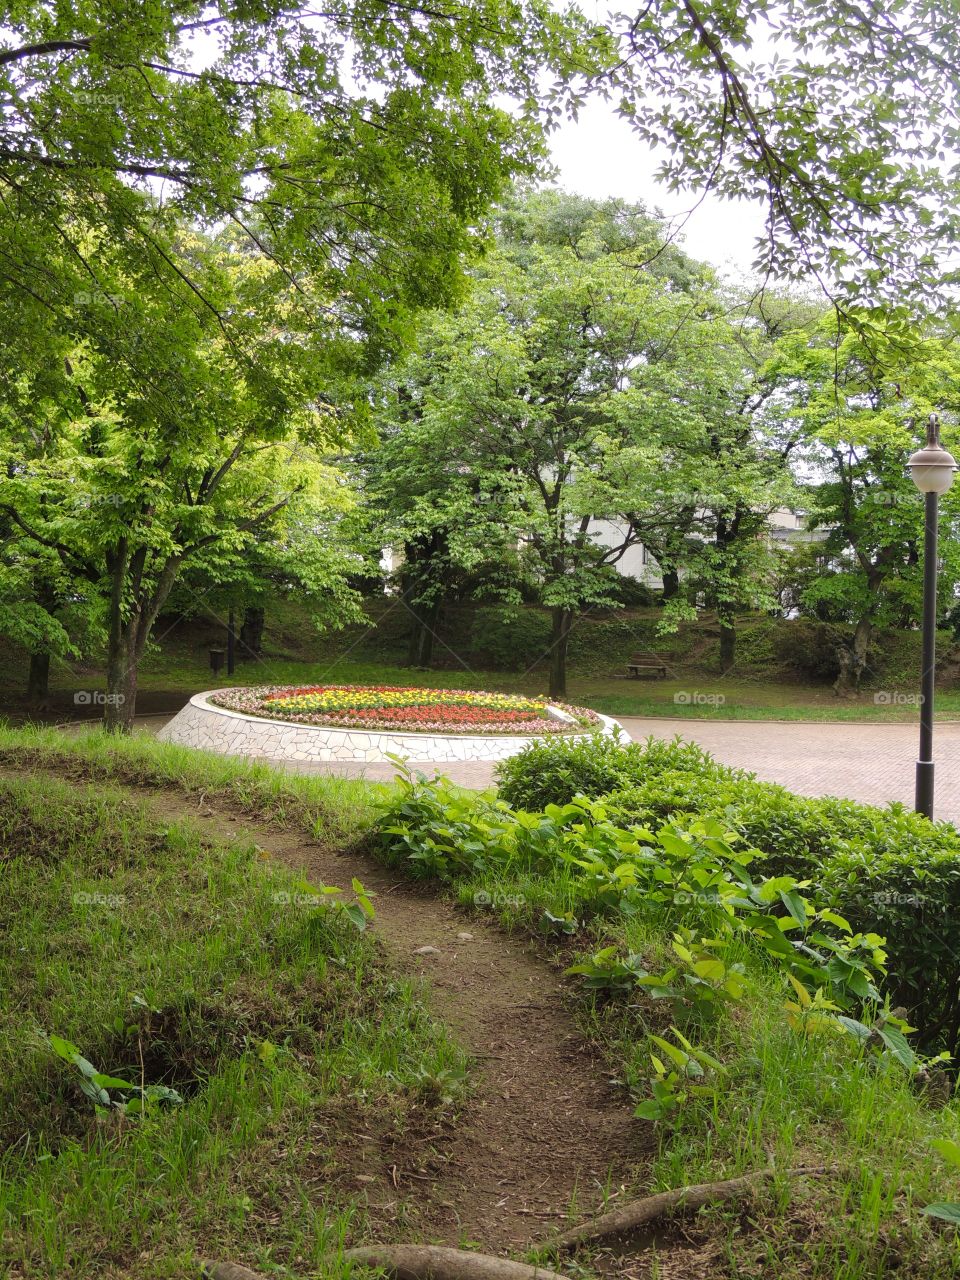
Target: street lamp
{"type": "Point", "coordinates": [931, 469]}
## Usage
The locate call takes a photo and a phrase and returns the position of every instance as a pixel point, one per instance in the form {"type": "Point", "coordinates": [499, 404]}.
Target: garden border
{"type": "Point", "coordinates": [204, 725]}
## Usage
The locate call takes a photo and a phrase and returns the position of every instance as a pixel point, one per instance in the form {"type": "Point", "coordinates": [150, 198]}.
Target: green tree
{"type": "Point", "coordinates": [859, 398]}
{"type": "Point", "coordinates": [840, 118]}
{"type": "Point", "coordinates": [725, 435]}
{"type": "Point", "coordinates": [520, 428]}
{"type": "Point", "coordinates": [131, 469]}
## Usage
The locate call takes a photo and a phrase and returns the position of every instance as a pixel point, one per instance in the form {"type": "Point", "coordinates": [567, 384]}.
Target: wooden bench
{"type": "Point", "coordinates": [650, 666]}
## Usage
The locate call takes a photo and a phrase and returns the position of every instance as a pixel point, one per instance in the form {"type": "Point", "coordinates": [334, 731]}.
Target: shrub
{"type": "Point", "coordinates": [555, 771]}
{"type": "Point", "coordinates": [888, 870]}
{"type": "Point", "coordinates": [509, 641]}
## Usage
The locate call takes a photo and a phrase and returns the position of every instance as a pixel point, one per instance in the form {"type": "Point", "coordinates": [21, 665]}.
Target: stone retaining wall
{"type": "Point", "coordinates": [212, 728]}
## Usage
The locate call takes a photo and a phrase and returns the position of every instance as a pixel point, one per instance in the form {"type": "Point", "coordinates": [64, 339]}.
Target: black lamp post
{"type": "Point", "coordinates": [932, 469]}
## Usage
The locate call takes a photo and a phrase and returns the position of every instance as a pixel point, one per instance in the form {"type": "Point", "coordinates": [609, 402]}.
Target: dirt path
{"type": "Point", "coordinates": [543, 1132]}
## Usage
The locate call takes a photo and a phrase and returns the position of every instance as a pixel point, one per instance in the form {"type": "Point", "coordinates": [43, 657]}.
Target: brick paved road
{"type": "Point", "coordinates": [873, 763]}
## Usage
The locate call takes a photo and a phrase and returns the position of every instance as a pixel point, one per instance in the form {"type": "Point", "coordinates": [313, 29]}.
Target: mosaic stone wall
{"type": "Point", "coordinates": [201, 724]}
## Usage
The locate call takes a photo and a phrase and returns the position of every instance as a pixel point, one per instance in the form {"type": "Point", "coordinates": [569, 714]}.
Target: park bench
{"type": "Point", "coordinates": [639, 664]}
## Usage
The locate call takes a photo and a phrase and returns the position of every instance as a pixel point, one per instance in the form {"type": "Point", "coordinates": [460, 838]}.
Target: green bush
{"type": "Point", "coordinates": [689, 880]}
{"type": "Point", "coordinates": [889, 870]}
{"type": "Point", "coordinates": [558, 769]}
{"type": "Point", "coordinates": [512, 641]}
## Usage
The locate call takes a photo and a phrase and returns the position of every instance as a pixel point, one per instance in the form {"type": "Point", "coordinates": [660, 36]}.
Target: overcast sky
{"type": "Point", "coordinates": [599, 155]}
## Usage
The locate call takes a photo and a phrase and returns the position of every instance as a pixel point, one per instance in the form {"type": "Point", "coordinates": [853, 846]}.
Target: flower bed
{"type": "Point", "coordinates": [391, 707]}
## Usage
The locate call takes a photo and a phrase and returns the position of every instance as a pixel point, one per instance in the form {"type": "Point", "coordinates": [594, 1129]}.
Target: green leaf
{"type": "Point", "coordinates": [948, 1149]}
{"type": "Point", "coordinates": [896, 1042]}
{"type": "Point", "coordinates": [948, 1211]}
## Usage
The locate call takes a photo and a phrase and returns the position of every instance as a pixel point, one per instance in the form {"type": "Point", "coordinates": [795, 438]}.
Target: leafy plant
{"type": "Point", "coordinates": [95, 1084]}
{"type": "Point", "coordinates": [559, 769]}
{"type": "Point", "coordinates": [947, 1210]}
{"type": "Point", "coordinates": [688, 1074]}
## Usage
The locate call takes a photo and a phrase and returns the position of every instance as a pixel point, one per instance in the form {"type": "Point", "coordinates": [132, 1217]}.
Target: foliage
{"type": "Point", "coordinates": [691, 878]}
{"type": "Point", "coordinates": [555, 772]}
{"type": "Point", "coordinates": [888, 870]}
{"type": "Point", "coordinates": [767, 103]}
{"type": "Point", "coordinates": [857, 395]}
{"type": "Point", "coordinates": [526, 427]}
{"type": "Point", "coordinates": [95, 1084]}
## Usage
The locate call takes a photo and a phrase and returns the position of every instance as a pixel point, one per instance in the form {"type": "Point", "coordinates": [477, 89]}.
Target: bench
{"type": "Point", "coordinates": [651, 666]}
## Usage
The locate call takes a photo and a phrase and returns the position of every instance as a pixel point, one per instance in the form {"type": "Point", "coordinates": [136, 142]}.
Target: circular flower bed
{"type": "Point", "coordinates": [391, 707]}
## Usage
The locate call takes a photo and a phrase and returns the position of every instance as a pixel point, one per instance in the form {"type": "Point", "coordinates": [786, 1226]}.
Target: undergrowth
{"type": "Point", "coordinates": [191, 1041]}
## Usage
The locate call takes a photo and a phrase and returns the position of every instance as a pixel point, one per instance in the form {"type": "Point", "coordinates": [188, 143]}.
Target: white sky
{"type": "Point", "coordinates": [599, 155]}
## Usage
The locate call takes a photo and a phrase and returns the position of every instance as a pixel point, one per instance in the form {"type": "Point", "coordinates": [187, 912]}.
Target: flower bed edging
{"type": "Point", "coordinates": [203, 725]}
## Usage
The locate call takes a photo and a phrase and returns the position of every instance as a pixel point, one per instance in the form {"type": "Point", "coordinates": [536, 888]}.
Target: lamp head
{"type": "Point", "coordinates": [932, 467]}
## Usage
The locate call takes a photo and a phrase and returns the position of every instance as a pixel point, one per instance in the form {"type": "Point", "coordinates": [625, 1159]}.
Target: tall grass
{"type": "Point", "coordinates": [170, 960]}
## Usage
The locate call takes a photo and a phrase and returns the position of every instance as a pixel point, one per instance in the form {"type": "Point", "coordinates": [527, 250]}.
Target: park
{"type": "Point", "coordinates": [479, 641]}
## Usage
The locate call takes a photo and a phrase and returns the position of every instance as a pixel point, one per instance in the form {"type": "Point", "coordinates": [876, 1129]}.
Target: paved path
{"type": "Point", "coordinates": [873, 763]}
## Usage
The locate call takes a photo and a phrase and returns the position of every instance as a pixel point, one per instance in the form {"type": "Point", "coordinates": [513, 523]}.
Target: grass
{"type": "Point", "coordinates": [169, 680]}
{"type": "Point", "coordinates": [177, 666]}
{"type": "Point", "coordinates": [334, 810]}
{"type": "Point", "coordinates": [201, 944]}
{"type": "Point", "coordinates": [799, 1100]}
{"type": "Point", "coordinates": [170, 960]}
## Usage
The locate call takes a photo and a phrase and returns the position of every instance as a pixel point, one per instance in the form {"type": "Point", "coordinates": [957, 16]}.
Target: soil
{"type": "Point", "coordinates": [544, 1137]}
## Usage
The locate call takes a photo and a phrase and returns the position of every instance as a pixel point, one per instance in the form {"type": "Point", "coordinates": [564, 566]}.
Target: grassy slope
{"type": "Point", "coordinates": [800, 1101]}
{"type": "Point", "coordinates": [805, 1101]}
{"type": "Point", "coordinates": [167, 683]}
{"type": "Point", "coordinates": [178, 666]}
{"type": "Point", "coordinates": [157, 953]}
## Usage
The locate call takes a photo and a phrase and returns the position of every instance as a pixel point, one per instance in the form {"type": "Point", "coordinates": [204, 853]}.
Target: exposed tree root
{"type": "Point", "coordinates": [433, 1262]}
{"type": "Point", "coordinates": [642, 1213]}
{"type": "Point", "coordinates": [414, 1262]}
{"type": "Point", "coordinates": [227, 1271]}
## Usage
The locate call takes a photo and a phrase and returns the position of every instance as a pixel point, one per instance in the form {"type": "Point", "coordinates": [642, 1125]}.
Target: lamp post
{"type": "Point", "coordinates": [931, 469]}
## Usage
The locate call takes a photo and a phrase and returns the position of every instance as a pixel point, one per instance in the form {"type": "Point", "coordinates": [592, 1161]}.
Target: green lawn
{"type": "Point", "coordinates": [170, 961]}
{"type": "Point", "coordinates": [169, 677]}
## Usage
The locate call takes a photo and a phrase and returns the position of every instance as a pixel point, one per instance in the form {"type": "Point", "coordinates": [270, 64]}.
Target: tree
{"type": "Point", "coordinates": [510, 427]}
{"type": "Point", "coordinates": [128, 479]}
{"type": "Point", "coordinates": [725, 435]}
{"type": "Point", "coordinates": [860, 426]}
{"type": "Point", "coordinates": [361, 142]}
{"type": "Point", "coordinates": [841, 118]}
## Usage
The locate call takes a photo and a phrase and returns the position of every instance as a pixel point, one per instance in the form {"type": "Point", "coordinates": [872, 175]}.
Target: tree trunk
{"type": "Point", "coordinates": [853, 660]}
{"type": "Point", "coordinates": [231, 642]}
{"type": "Point", "coordinates": [251, 631]}
{"type": "Point", "coordinates": [129, 631]}
{"type": "Point", "coordinates": [121, 703]}
{"type": "Point", "coordinates": [38, 680]}
{"type": "Point", "coordinates": [728, 640]}
{"type": "Point", "coordinates": [561, 621]}
{"type": "Point", "coordinates": [425, 648]}
{"type": "Point", "coordinates": [413, 645]}
{"type": "Point", "coordinates": [671, 584]}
